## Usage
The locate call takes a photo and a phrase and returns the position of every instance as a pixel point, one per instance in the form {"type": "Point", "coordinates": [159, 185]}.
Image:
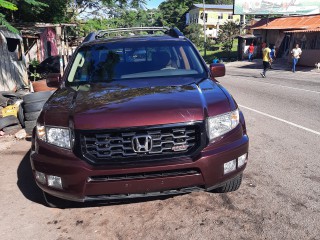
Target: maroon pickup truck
{"type": "Point", "coordinates": [137, 115]}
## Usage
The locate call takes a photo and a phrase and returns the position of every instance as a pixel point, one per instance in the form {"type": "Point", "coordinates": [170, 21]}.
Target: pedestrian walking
{"type": "Point", "coordinates": [296, 53]}
{"type": "Point", "coordinates": [266, 59]}
{"type": "Point", "coordinates": [251, 51]}
{"type": "Point", "coordinates": [272, 55]}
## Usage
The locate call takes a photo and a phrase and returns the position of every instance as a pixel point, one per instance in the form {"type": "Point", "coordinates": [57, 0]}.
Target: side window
{"type": "Point", "coordinates": [139, 55]}
{"type": "Point", "coordinates": [135, 54]}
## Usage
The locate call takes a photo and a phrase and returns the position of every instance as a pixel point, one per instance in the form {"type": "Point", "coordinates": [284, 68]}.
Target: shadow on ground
{"type": "Point", "coordinates": [32, 192]}
{"type": "Point", "coordinates": [276, 65]}
{"type": "Point", "coordinates": [26, 182]}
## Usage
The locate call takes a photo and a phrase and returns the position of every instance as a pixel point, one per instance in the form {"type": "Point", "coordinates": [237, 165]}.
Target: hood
{"type": "Point", "coordinates": [99, 106]}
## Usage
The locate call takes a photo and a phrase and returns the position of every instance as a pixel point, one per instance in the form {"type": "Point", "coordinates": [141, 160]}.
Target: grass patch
{"type": "Point", "coordinates": [220, 54]}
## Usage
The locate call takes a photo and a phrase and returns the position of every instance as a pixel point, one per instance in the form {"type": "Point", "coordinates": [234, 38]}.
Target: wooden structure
{"type": "Point", "coordinates": [42, 40]}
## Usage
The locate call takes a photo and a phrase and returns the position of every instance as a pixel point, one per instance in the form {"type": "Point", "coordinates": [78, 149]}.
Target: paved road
{"type": "Point", "coordinates": [283, 120]}
{"type": "Point", "coordinates": [279, 197]}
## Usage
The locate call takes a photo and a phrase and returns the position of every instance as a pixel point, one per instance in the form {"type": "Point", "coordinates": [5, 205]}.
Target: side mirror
{"type": "Point", "coordinates": [217, 70]}
{"type": "Point", "coordinates": [53, 80]}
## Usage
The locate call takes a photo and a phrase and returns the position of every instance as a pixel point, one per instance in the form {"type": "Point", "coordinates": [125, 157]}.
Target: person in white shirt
{"type": "Point", "coordinates": [296, 53]}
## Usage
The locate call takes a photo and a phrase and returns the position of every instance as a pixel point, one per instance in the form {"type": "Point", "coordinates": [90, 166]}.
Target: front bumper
{"type": "Point", "coordinates": [82, 181]}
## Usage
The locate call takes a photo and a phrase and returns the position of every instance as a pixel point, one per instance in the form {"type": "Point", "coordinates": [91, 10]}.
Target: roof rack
{"type": "Point", "coordinates": [102, 34]}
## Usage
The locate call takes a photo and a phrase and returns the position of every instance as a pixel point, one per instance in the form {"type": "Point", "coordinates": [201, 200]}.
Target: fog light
{"type": "Point", "coordinates": [230, 166]}
{"type": "Point", "coordinates": [41, 177]}
{"type": "Point", "coordinates": [242, 160]}
{"type": "Point", "coordinates": [54, 181]}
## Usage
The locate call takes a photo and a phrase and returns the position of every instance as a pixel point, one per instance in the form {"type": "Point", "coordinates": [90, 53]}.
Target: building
{"type": "Point", "coordinates": [285, 32]}
{"type": "Point", "coordinates": [36, 41]}
{"type": "Point", "coordinates": [43, 40]}
{"type": "Point", "coordinates": [215, 15]}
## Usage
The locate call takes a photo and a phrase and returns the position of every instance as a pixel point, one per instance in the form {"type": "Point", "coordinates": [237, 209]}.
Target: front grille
{"type": "Point", "coordinates": [107, 146]}
{"type": "Point", "coordinates": [147, 175]}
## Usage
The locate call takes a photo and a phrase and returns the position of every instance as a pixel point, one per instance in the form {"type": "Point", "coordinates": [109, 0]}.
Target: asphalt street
{"type": "Point", "coordinates": [283, 122]}
{"type": "Point", "coordinates": [279, 197]}
{"type": "Point", "coordinates": [294, 97]}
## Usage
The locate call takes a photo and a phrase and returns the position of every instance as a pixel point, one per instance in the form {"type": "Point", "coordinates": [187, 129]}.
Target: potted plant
{"type": "Point", "coordinates": [34, 63]}
{"type": "Point", "coordinates": [38, 84]}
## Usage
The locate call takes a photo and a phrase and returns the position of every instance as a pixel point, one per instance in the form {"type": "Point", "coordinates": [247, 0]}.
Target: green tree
{"type": "Point", "coordinates": [173, 12]}
{"type": "Point", "coordinates": [122, 18]}
{"type": "Point", "coordinates": [8, 6]}
{"type": "Point", "coordinates": [96, 7]}
{"type": "Point", "coordinates": [55, 12]}
{"type": "Point", "coordinates": [195, 33]}
{"type": "Point", "coordinates": [227, 34]}
{"type": "Point", "coordinates": [12, 6]}
{"type": "Point", "coordinates": [62, 10]}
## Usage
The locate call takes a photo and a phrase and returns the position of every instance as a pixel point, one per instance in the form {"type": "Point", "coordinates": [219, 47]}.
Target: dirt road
{"type": "Point", "coordinates": [259, 210]}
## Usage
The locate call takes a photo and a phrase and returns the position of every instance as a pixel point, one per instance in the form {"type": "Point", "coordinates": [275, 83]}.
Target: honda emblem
{"type": "Point", "coordinates": [142, 144]}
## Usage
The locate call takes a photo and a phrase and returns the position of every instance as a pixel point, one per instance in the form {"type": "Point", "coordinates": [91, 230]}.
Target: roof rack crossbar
{"type": "Point", "coordinates": [103, 33]}
{"type": "Point", "coordinates": [174, 32]}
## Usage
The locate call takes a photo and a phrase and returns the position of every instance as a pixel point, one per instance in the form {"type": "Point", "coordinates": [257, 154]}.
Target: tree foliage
{"type": "Point", "coordinates": [173, 12]}
{"type": "Point", "coordinates": [99, 8]}
{"type": "Point", "coordinates": [227, 34]}
{"type": "Point", "coordinates": [7, 6]}
{"type": "Point", "coordinates": [122, 18]}
{"type": "Point", "coordinates": [195, 33]}
{"type": "Point", "coordinates": [57, 11]}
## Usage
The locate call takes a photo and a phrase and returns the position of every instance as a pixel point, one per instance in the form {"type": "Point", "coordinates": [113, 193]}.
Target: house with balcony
{"type": "Point", "coordinates": [212, 16]}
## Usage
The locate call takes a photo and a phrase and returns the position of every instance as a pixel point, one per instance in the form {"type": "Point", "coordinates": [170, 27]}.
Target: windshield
{"type": "Point", "coordinates": [145, 59]}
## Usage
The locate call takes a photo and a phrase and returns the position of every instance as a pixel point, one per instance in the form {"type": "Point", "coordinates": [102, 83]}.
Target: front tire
{"type": "Point", "coordinates": [55, 202]}
{"type": "Point", "coordinates": [230, 186]}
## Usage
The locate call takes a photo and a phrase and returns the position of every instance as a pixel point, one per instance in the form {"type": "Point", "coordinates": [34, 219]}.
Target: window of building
{"type": "Point", "coordinates": [220, 16]}
{"type": "Point", "coordinates": [230, 16]}
{"type": "Point", "coordinates": [206, 17]}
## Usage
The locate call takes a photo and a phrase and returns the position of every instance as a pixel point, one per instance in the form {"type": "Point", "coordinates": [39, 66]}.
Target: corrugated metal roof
{"type": "Point", "coordinates": [305, 30]}
{"type": "Point", "coordinates": [294, 23]}
{"type": "Point", "coordinates": [214, 6]}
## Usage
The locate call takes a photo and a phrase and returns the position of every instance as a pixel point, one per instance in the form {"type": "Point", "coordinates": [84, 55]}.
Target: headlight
{"type": "Point", "coordinates": [54, 135]}
{"type": "Point", "coordinates": [221, 124]}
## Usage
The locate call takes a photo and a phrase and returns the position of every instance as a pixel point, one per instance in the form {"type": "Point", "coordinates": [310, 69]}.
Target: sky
{"type": "Point", "coordinates": [153, 3]}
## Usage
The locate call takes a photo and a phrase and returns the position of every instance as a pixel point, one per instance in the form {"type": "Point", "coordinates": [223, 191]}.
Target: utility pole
{"type": "Point", "coordinates": [204, 28]}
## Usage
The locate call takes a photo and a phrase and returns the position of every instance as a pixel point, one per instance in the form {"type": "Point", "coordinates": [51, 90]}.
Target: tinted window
{"type": "Point", "coordinates": [117, 61]}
